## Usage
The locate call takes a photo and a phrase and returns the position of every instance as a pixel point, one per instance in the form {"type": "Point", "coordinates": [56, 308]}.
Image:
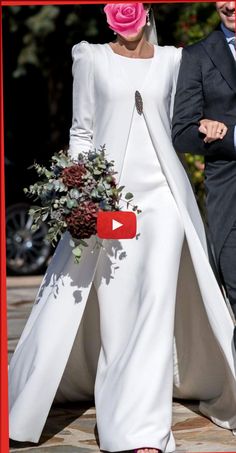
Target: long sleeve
{"type": "Point", "coordinates": [81, 131]}
{"type": "Point", "coordinates": [189, 110]}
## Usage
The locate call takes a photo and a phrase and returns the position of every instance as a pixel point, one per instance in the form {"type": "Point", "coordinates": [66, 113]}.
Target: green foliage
{"type": "Point", "coordinates": [195, 166]}
{"type": "Point", "coordinates": [42, 31]}
{"type": "Point", "coordinates": [195, 22]}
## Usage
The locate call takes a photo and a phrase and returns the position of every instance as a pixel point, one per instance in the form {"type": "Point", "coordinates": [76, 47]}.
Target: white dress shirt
{"type": "Point", "coordinates": [229, 35]}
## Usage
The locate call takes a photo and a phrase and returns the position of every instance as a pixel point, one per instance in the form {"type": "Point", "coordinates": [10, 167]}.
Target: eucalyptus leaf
{"type": "Point", "coordinates": [77, 251]}
{"type": "Point", "coordinates": [128, 196]}
{"type": "Point", "coordinates": [63, 162]}
{"type": "Point", "coordinates": [34, 228]}
{"type": "Point", "coordinates": [71, 203]}
{"type": "Point", "coordinates": [45, 216]}
{"type": "Point", "coordinates": [94, 193]}
{"type": "Point", "coordinates": [61, 186]}
{"type": "Point", "coordinates": [100, 188]}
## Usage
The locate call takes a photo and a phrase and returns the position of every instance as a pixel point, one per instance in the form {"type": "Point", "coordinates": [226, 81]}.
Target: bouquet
{"type": "Point", "coordinates": [71, 194]}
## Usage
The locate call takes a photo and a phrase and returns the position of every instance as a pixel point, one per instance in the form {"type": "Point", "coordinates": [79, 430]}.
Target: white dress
{"type": "Point", "coordinates": [137, 314]}
{"type": "Point", "coordinates": [113, 317]}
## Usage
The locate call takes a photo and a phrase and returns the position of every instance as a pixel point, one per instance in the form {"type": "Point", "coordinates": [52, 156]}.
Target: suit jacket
{"type": "Point", "coordinates": [206, 88]}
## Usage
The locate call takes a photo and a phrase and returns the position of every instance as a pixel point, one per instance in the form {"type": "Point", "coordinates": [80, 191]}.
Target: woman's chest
{"type": "Point", "coordinates": [116, 78]}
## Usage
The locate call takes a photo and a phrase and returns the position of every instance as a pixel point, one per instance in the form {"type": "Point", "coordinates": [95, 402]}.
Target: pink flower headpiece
{"type": "Point", "coordinates": [126, 18]}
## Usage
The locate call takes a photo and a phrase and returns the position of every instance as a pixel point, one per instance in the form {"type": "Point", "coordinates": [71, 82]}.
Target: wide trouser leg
{"type": "Point", "coordinates": [136, 286]}
{"type": "Point", "coordinates": [228, 267]}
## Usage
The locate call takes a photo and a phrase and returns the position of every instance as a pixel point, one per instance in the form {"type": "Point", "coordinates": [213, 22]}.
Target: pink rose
{"type": "Point", "coordinates": [126, 18]}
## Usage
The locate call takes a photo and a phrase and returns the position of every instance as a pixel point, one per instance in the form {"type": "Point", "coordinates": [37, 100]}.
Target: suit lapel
{"type": "Point", "coordinates": [219, 52]}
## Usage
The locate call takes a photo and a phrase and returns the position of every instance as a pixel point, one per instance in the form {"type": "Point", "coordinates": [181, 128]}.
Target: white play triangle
{"type": "Point", "coordinates": [116, 224]}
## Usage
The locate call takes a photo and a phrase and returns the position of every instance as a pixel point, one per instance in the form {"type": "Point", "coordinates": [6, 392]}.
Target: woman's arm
{"type": "Point", "coordinates": [81, 131]}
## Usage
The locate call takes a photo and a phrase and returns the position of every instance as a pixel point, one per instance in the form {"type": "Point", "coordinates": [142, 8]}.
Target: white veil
{"type": "Point", "coordinates": [150, 30]}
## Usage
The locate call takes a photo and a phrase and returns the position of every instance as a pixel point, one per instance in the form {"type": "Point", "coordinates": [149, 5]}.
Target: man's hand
{"type": "Point", "coordinates": [213, 130]}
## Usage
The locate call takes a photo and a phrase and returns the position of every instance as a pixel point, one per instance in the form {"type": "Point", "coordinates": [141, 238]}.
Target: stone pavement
{"type": "Point", "coordinates": [71, 428]}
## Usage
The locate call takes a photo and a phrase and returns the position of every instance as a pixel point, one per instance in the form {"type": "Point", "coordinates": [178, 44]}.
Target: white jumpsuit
{"type": "Point", "coordinates": [136, 290]}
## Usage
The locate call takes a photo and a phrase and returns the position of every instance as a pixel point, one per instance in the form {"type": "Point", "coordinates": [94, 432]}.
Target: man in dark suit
{"type": "Point", "coordinates": [206, 89]}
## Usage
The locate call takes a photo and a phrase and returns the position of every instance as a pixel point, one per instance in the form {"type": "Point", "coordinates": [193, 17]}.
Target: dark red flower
{"type": "Point", "coordinates": [82, 221]}
{"type": "Point", "coordinates": [72, 176]}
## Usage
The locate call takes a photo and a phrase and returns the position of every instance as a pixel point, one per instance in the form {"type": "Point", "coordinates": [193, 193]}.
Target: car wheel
{"type": "Point", "coordinates": [27, 252]}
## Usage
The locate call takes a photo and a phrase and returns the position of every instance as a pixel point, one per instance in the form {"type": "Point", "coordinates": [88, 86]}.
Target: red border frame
{"type": "Point", "coordinates": [4, 428]}
{"type": "Point", "coordinates": [3, 305]}
{"type": "Point", "coordinates": [75, 2]}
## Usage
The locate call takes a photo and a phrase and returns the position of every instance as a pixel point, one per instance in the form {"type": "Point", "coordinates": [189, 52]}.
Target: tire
{"type": "Point", "coordinates": [27, 252]}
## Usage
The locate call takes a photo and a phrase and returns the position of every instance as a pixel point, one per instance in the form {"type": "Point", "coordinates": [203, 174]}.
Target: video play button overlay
{"type": "Point", "coordinates": [116, 225]}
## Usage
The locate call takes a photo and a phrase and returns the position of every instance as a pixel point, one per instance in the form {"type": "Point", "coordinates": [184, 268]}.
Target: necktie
{"type": "Point", "coordinates": [233, 41]}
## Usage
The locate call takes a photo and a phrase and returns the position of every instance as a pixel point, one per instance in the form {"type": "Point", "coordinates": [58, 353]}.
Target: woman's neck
{"type": "Point", "coordinates": [139, 48]}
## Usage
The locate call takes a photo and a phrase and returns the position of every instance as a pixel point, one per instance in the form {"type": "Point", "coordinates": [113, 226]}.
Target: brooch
{"type": "Point", "coordinates": [138, 102]}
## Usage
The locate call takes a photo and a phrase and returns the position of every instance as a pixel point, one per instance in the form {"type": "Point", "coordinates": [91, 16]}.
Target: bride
{"type": "Point", "coordinates": [138, 319]}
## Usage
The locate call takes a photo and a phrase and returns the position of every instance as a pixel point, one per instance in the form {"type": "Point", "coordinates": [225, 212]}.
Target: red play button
{"type": "Point", "coordinates": [116, 225]}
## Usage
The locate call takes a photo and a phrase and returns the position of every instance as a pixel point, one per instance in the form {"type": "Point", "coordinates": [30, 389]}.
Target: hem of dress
{"type": "Point", "coordinates": [229, 424]}
{"type": "Point", "coordinates": [19, 438]}
{"type": "Point", "coordinates": [138, 444]}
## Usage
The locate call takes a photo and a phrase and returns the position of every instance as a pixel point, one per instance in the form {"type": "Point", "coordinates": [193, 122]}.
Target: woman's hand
{"type": "Point", "coordinates": [213, 130]}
